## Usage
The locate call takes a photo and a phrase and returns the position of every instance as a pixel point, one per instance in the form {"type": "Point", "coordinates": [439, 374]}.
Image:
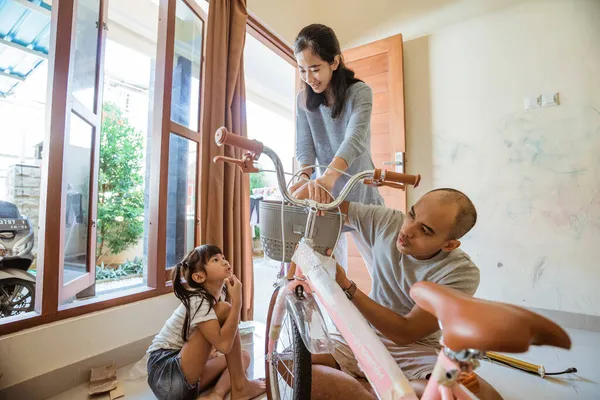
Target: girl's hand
{"type": "Point", "coordinates": [234, 288]}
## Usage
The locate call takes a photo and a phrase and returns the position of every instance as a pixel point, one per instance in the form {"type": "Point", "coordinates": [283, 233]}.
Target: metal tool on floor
{"type": "Point", "coordinates": [523, 365]}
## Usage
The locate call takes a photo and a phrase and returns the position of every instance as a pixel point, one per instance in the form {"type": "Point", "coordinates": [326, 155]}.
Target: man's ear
{"type": "Point", "coordinates": [451, 245]}
{"type": "Point", "coordinates": [199, 277]}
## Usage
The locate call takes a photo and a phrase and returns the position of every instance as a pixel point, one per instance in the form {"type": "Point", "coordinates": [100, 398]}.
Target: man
{"type": "Point", "coordinates": [420, 246]}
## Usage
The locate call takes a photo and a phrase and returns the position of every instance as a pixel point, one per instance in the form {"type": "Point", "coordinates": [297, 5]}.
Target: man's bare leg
{"type": "Point", "coordinates": [329, 383]}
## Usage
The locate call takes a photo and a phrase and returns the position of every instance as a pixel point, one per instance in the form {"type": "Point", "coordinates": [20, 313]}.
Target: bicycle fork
{"type": "Point", "coordinates": [297, 299]}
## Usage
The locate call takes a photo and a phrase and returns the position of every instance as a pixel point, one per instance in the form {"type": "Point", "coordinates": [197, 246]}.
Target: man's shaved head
{"type": "Point", "coordinates": [466, 215]}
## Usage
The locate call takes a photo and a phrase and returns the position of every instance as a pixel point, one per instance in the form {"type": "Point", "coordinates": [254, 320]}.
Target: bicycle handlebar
{"type": "Point", "coordinates": [376, 177]}
{"type": "Point", "coordinates": [222, 136]}
{"type": "Point", "coordinates": [396, 177]}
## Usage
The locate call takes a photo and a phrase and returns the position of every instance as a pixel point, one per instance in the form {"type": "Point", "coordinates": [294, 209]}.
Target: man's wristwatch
{"type": "Point", "coordinates": [351, 290]}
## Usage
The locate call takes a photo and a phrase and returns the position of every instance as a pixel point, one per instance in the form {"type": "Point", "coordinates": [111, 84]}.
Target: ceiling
{"type": "Point", "coordinates": [358, 22]}
{"type": "Point", "coordinates": [24, 41]}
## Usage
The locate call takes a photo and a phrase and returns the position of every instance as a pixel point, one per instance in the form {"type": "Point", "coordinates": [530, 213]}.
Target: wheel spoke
{"type": "Point", "coordinates": [282, 362]}
{"type": "Point", "coordinates": [16, 291]}
{"type": "Point", "coordinates": [17, 298]}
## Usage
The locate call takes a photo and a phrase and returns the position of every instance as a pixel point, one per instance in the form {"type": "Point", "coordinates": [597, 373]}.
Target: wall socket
{"type": "Point", "coordinates": [550, 100]}
{"type": "Point", "coordinates": [543, 100]}
{"type": "Point", "coordinates": [533, 102]}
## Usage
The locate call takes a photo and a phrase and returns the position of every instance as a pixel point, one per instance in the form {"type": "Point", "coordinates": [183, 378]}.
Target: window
{"type": "Point", "coordinates": [122, 190]}
{"type": "Point", "coordinates": [23, 83]}
{"type": "Point", "coordinates": [181, 203]}
{"type": "Point", "coordinates": [185, 136]}
{"type": "Point", "coordinates": [187, 63]}
{"type": "Point", "coordinates": [125, 163]}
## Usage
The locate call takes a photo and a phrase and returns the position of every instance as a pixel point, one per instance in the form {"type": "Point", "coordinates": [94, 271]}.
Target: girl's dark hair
{"type": "Point", "coordinates": [194, 262]}
{"type": "Point", "coordinates": [321, 40]}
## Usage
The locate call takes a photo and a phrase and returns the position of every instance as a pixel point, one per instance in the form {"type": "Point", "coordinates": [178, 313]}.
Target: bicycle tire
{"type": "Point", "coordinates": [302, 361]}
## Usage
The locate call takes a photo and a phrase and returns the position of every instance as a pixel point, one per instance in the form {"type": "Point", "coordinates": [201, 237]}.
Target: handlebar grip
{"type": "Point", "coordinates": [223, 136]}
{"type": "Point", "coordinates": [396, 177]}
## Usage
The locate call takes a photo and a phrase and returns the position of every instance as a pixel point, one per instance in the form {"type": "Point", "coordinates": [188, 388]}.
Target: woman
{"type": "Point", "coordinates": [333, 125]}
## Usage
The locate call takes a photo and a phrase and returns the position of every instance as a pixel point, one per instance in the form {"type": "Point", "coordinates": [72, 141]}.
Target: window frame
{"type": "Point", "coordinates": [47, 307]}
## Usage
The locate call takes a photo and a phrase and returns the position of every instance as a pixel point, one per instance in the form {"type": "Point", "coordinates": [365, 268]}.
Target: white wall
{"type": "Point", "coordinates": [534, 175]}
{"type": "Point", "coordinates": [285, 17]}
{"type": "Point", "coordinates": [466, 127]}
{"type": "Point", "coordinates": [358, 22]}
{"type": "Point", "coordinates": [27, 354]}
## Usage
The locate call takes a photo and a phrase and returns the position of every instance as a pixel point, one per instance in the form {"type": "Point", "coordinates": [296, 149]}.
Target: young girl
{"type": "Point", "coordinates": [333, 125]}
{"type": "Point", "coordinates": [184, 358]}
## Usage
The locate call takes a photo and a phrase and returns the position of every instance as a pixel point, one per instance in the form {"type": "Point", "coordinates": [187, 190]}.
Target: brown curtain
{"type": "Point", "coordinates": [225, 191]}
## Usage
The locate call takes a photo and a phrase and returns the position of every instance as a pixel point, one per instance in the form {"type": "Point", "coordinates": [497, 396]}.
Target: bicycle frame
{"type": "Point", "coordinates": [315, 274]}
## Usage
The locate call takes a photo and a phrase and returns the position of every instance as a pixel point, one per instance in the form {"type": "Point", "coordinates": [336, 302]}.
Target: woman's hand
{"type": "Point", "coordinates": [314, 190]}
{"type": "Point", "coordinates": [319, 188]}
{"type": "Point", "coordinates": [299, 189]}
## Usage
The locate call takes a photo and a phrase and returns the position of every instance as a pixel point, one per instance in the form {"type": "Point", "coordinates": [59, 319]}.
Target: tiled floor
{"type": "Point", "coordinates": [136, 387]}
{"type": "Point", "coordinates": [585, 384]}
{"type": "Point", "coordinates": [512, 384]}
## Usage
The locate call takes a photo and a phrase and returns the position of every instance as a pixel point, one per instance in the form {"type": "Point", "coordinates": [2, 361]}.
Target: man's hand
{"type": "Point", "coordinates": [340, 275]}
{"type": "Point", "coordinates": [402, 330]}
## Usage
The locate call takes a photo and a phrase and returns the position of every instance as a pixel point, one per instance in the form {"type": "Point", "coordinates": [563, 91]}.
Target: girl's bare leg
{"type": "Point", "coordinates": [194, 357]}
{"type": "Point", "coordinates": [215, 369]}
{"type": "Point", "coordinates": [241, 387]}
{"type": "Point", "coordinates": [223, 385]}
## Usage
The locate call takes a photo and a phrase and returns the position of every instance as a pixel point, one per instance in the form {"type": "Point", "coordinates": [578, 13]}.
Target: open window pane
{"type": "Point", "coordinates": [181, 203]}
{"type": "Point", "coordinates": [187, 63]}
{"type": "Point", "coordinates": [125, 141]}
{"type": "Point", "coordinates": [76, 173]}
{"type": "Point", "coordinates": [86, 47]}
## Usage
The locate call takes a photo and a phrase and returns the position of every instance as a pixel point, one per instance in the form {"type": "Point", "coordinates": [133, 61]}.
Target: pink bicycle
{"type": "Point", "coordinates": [296, 328]}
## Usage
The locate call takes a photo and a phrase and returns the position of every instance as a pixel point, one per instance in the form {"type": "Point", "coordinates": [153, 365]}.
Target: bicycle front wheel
{"type": "Point", "coordinates": [288, 367]}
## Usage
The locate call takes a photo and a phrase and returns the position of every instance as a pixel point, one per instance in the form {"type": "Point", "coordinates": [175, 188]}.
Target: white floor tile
{"type": "Point", "coordinates": [512, 384]}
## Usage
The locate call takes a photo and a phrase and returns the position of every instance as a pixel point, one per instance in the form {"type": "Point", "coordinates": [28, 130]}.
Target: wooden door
{"type": "Point", "coordinates": [379, 64]}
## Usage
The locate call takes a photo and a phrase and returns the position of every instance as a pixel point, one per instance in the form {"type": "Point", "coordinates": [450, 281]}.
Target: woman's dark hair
{"type": "Point", "coordinates": [322, 41]}
{"type": "Point", "coordinates": [194, 262]}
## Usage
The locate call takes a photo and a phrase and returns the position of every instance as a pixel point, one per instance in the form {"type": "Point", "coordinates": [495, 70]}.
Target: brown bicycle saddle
{"type": "Point", "coordinates": [470, 323]}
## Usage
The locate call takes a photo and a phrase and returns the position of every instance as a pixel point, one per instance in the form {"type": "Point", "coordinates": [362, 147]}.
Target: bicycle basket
{"type": "Point", "coordinates": [326, 229]}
